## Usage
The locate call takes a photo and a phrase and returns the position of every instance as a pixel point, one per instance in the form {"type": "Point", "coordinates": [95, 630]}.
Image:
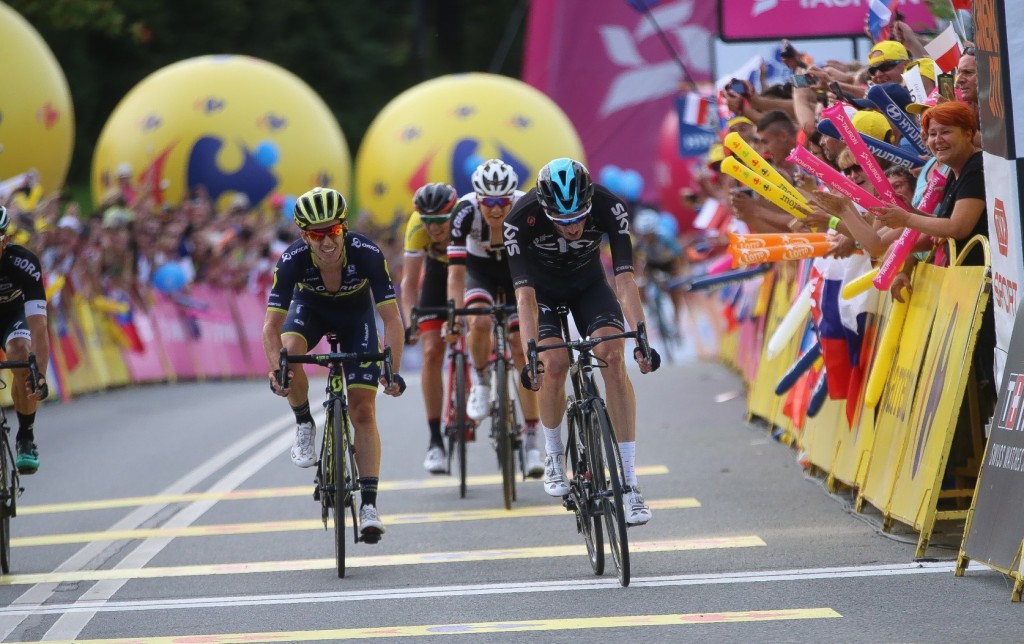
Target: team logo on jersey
{"type": "Point", "coordinates": [511, 245]}
{"type": "Point", "coordinates": [27, 266]}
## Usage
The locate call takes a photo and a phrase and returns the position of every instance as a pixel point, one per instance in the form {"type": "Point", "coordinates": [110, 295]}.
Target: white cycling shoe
{"type": "Point", "coordinates": [534, 464]}
{"type": "Point", "coordinates": [555, 483]}
{"type": "Point", "coordinates": [637, 510]}
{"type": "Point", "coordinates": [303, 449]}
{"type": "Point", "coordinates": [436, 462]}
{"type": "Point", "coordinates": [478, 406]}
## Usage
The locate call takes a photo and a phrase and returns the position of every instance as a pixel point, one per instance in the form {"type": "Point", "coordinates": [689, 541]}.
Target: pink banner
{"type": "Point", "coordinates": [174, 335]}
{"type": "Point", "coordinates": [777, 19]}
{"type": "Point", "coordinates": [218, 346]}
{"type": "Point", "coordinates": [147, 366]}
{"type": "Point", "coordinates": [612, 75]}
{"type": "Point", "coordinates": [251, 310]}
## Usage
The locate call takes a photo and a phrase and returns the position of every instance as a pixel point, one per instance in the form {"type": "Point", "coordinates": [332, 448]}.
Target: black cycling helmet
{"type": "Point", "coordinates": [435, 199]}
{"type": "Point", "coordinates": [564, 188]}
{"type": "Point", "coordinates": [319, 206]}
{"type": "Point", "coordinates": [5, 221]}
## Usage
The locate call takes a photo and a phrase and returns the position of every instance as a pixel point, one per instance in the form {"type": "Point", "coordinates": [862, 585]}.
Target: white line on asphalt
{"type": "Point", "coordinates": [40, 593]}
{"type": "Point", "coordinates": [760, 576]}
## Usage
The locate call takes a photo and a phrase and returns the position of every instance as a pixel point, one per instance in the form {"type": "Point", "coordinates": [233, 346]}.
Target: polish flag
{"type": "Point", "coordinates": [945, 50]}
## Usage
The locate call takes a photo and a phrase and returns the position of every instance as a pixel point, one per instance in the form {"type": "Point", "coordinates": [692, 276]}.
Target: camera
{"type": "Point", "coordinates": [803, 80]}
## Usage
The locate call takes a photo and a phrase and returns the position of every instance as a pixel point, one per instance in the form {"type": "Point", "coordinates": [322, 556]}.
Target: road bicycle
{"type": "Point", "coordinates": [657, 289]}
{"type": "Point", "coordinates": [459, 428]}
{"type": "Point", "coordinates": [596, 484]}
{"type": "Point", "coordinates": [505, 421]}
{"type": "Point", "coordinates": [337, 476]}
{"type": "Point", "coordinates": [10, 481]}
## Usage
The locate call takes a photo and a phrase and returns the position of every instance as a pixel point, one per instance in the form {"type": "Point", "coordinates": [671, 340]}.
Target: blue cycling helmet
{"type": "Point", "coordinates": [564, 188]}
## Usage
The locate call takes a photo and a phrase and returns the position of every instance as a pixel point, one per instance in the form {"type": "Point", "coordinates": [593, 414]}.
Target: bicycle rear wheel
{"type": "Point", "coordinates": [337, 482]}
{"type": "Point", "coordinates": [580, 489]}
{"type": "Point", "coordinates": [608, 464]}
{"type": "Point", "coordinates": [6, 504]}
{"type": "Point", "coordinates": [502, 433]}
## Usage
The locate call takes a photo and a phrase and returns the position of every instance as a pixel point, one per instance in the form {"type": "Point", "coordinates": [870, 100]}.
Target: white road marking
{"type": "Point", "coordinates": [606, 583]}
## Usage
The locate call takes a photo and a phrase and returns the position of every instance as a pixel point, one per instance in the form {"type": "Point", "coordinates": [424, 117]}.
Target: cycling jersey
{"type": "Point", "coordinates": [21, 282]}
{"type": "Point", "coordinates": [418, 241]}
{"type": "Point", "coordinates": [364, 274]}
{"type": "Point", "coordinates": [536, 252]}
{"type": "Point", "coordinates": [470, 234]}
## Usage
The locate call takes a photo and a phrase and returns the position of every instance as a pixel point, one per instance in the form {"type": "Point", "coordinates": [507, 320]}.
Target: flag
{"type": "Point", "coordinates": [695, 109]}
{"type": "Point", "coordinates": [879, 17]}
{"type": "Point", "coordinates": [961, 5]}
{"type": "Point", "coordinates": [697, 125]}
{"type": "Point", "coordinates": [944, 49]}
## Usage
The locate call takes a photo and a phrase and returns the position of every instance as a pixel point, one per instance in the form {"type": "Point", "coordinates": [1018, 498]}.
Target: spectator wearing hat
{"type": "Point", "coordinates": [928, 74]}
{"type": "Point", "coordinates": [887, 61]}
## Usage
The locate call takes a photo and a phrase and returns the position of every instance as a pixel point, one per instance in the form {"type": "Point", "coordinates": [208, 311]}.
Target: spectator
{"type": "Point", "coordinates": [887, 61]}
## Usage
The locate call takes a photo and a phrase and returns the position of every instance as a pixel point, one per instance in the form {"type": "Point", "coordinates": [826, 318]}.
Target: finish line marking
{"type": "Point", "coordinates": [576, 550]}
{"type": "Point", "coordinates": [316, 524]}
{"type": "Point", "coordinates": [570, 624]}
{"type": "Point", "coordinates": [436, 482]}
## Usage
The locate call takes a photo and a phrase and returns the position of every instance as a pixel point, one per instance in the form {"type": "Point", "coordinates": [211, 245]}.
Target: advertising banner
{"type": "Point", "coordinates": [997, 525]}
{"type": "Point", "coordinates": [776, 19]}
{"type": "Point", "coordinates": [1003, 206]}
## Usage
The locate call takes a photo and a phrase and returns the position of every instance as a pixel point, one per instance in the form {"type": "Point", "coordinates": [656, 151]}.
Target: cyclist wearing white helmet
{"type": "Point", "coordinates": [659, 254]}
{"type": "Point", "coordinates": [478, 275]}
{"type": "Point", "coordinates": [333, 280]}
{"type": "Point", "coordinates": [24, 329]}
{"type": "Point", "coordinates": [557, 229]}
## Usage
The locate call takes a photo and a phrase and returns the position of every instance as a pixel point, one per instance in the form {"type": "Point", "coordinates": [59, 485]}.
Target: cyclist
{"type": "Point", "coordinates": [556, 229]}
{"type": "Point", "coordinates": [330, 280]}
{"type": "Point", "coordinates": [659, 252]}
{"type": "Point", "coordinates": [425, 281]}
{"type": "Point", "coordinates": [477, 272]}
{"type": "Point", "coordinates": [23, 320]}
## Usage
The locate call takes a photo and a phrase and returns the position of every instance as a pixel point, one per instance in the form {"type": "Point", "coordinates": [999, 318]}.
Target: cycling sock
{"type": "Point", "coordinates": [302, 413]}
{"type": "Point", "coordinates": [628, 452]}
{"type": "Point", "coordinates": [436, 440]}
{"type": "Point", "coordinates": [553, 440]}
{"type": "Point", "coordinates": [367, 490]}
{"type": "Point", "coordinates": [26, 427]}
{"type": "Point", "coordinates": [530, 441]}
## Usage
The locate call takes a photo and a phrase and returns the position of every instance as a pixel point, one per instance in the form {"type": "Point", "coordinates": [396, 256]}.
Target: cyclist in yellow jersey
{"type": "Point", "coordinates": [424, 282]}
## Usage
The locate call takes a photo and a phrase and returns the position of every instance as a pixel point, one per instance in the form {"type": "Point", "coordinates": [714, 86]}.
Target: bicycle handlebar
{"type": "Point", "coordinates": [451, 311]}
{"type": "Point", "coordinates": [586, 344]}
{"type": "Point", "coordinates": [30, 364]}
{"type": "Point", "coordinates": [327, 359]}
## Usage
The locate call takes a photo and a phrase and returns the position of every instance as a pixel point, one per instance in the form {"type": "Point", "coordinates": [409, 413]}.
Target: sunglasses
{"type": "Point", "coordinates": [850, 169]}
{"type": "Point", "coordinates": [970, 51]}
{"type": "Point", "coordinates": [495, 202]}
{"type": "Point", "coordinates": [884, 67]}
{"type": "Point", "coordinates": [434, 219]}
{"type": "Point", "coordinates": [334, 231]}
{"type": "Point", "coordinates": [570, 219]}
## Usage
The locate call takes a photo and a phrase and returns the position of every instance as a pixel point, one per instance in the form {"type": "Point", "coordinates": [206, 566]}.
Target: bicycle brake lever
{"type": "Point", "coordinates": [282, 369]}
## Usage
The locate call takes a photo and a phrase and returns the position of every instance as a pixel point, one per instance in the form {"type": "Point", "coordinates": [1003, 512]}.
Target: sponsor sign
{"type": "Point", "coordinates": [775, 19]}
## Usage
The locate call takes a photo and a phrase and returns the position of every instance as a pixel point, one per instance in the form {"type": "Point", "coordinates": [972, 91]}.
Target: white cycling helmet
{"type": "Point", "coordinates": [495, 178]}
{"type": "Point", "coordinates": [646, 222]}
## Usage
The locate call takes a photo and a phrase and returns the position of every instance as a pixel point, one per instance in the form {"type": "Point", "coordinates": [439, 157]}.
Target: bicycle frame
{"type": "Point", "coordinates": [10, 480]}
{"type": "Point", "coordinates": [337, 477]}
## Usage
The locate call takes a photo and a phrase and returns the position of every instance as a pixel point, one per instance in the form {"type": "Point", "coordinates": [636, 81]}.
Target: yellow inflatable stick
{"type": "Point", "coordinates": [858, 285]}
{"type": "Point", "coordinates": [763, 187]}
{"type": "Point", "coordinates": [886, 353]}
{"type": "Point", "coordinates": [756, 162]}
{"type": "Point", "coordinates": [108, 305]}
{"type": "Point", "coordinates": [55, 286]}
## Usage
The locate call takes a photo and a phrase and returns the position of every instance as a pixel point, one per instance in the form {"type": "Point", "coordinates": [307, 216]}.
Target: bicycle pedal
{"type": "Point", "coordinates": [316, 493]}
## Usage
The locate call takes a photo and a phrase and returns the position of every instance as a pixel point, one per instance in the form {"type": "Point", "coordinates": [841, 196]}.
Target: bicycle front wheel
{"type": "Point", "coordinates": [457, 437]}
{"type": "Point", "coordinates": [581, 492]}
{"type": "Point", "coordinates": [503, 434]}
{"type": "Point", "coordinates": [608, 463]}
{"type": "Point", "coordinates": [339, 483]}
{"type": "Point", "coordinates": [6, 505]}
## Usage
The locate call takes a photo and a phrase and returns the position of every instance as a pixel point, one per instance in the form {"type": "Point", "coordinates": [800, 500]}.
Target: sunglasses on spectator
{"type": "Point", "coordinates": [334, 231]}
{"type": "Point", "coordinates": [495, 202]}
{"type": "Point", "coordinates": [970, 51]}
{"type": "Point", "coordinates": [569, 219]}
{"type": "Point", "coordinates": [850, 169]}
{"type": "Point", "coordinates": [883, 67]}
{"type": "Point", "coordinates": [434, 219]}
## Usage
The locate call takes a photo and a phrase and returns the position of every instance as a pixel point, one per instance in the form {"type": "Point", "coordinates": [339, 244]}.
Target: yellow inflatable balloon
{"type": "Point", "coordinates": [37, 123]}
{"type": "Point", "coordinates": [234, 124]}
{"type": "Point", "coordinates": [441, 129]}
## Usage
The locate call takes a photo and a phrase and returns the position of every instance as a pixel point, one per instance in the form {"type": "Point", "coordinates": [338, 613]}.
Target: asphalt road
{"type": "Point", "coordinates": [173, 514]}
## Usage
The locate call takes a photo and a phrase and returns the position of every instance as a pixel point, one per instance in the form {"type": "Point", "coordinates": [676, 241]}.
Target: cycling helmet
{"type": "Point", "coordinates": [495, 178]}
{"type": "Point", "coordinates": [319, 206]}
{"type": "Point", "coordinates": [646, 222]}
{"type": "Point", "coordinates": [564, 188]}
{"type": "Point", "coordinates": [435, 199]}
{"type": "Point", "coordinates": [5, 221]}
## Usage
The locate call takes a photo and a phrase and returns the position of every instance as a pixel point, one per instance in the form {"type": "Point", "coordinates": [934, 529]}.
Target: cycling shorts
{"type": "Point", "coordinates": [12, 323]}
{"type": "Point", "coordinates": [313, 318]}
{"type": "Point", "coordinates": [593, 306]}
{"type": "Point", "coordinates": [433, 293]}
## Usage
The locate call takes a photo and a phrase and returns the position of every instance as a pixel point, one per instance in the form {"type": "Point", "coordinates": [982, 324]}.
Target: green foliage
{"type": "Point", "coordinates": [941, 9]}
{"type": "Point", "coordinates": [357, 55]}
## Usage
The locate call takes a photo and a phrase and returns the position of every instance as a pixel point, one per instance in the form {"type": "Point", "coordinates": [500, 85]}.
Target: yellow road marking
{"type": "Point", "coordinates": [279, 492]}
{"type": "Point", "coordinates": [433, 630]}
{"type": "Point", "coordinates": [316, 524]}
{"type": "Point", "coordinates": [710, 543]}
